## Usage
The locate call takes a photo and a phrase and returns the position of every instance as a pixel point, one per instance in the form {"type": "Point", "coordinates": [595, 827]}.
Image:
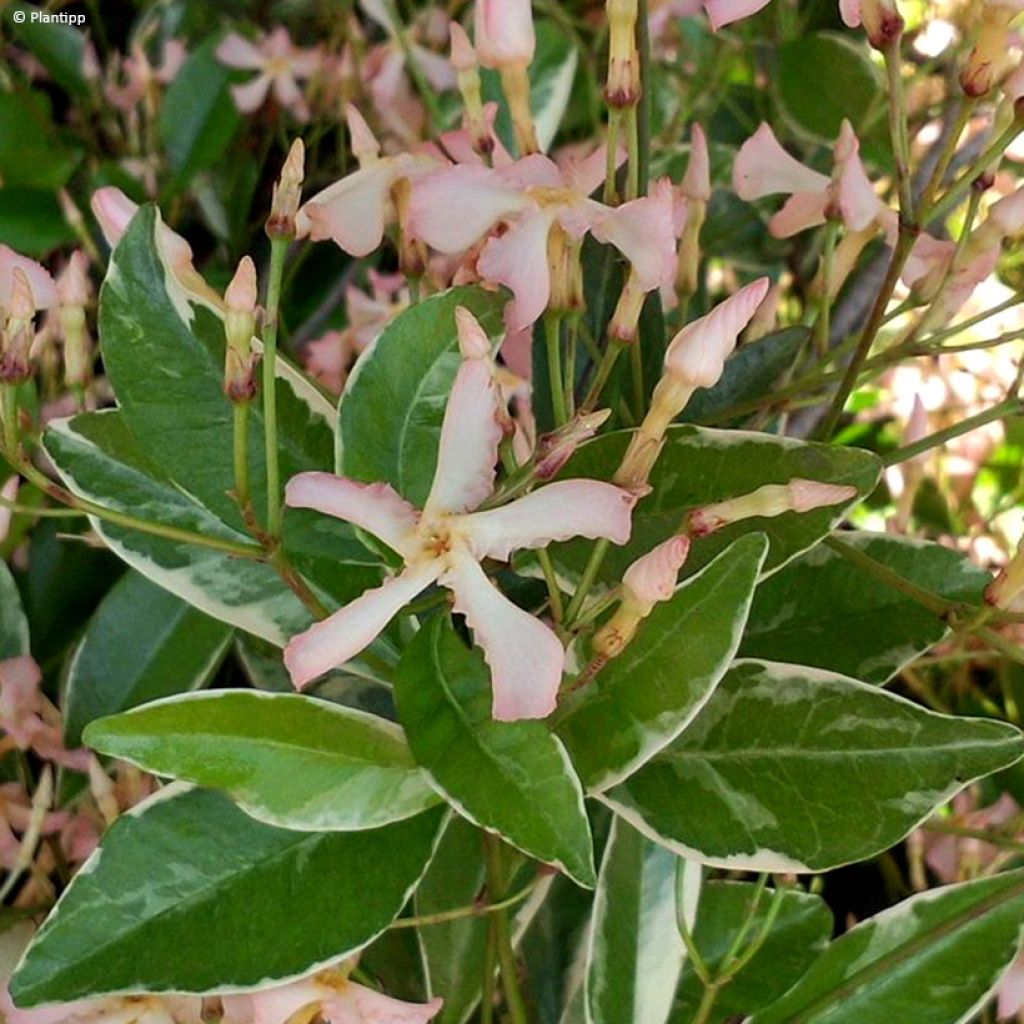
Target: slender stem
{"type": "Point", "coordinates": [986, 835]}
{"type": "Point", "coordinates": [1011, 407]}
{"type": "Point", "coordinates": [1007, 648]}
{"type": "Point", "coordinates": [898, 126]}
{"type": "Point", "coordinates": [278, 251]}
{"type": "Point", "coordinates": [901, 253]}
{"type": "Point", "coordinates": [707, 1004]}
{"type": "Point", "coordinates": [748, 922]}
{"type": "Point", "coordinates": [9, 415]}
{"type": "Point", "coordinates": [586, 581]}
{"type": "Point", "coordinates": [822, 327]}
{"type": "Point", "coordinates": [241, 454]}
{"type": "Point", "coordinates": [553, 337]}
{"type": "Point", "coordinates": [490, 972]}
{"type": "Point", "coordinates": [551, 579]}
{"type": "Point", "coordinates": [611, 171]}
{"type": "Point", "coordinates": [643, 114]}
{"type": "Point", "coordinates": [967, 105]}
{"type": "Point", "coordinates": [458, 913]}
{"type": "Point", "coordinates": [43, 511]}
{"type": "Point", "coordinates": [503, 932]}
{"type": "Point", "coordinates": [604, 371]}
{"type": "Point", "coordinates": [633, 142]}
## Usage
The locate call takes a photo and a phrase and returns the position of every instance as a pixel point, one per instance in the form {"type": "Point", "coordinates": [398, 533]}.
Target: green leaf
{"type": "Point", "coordinates": [823, 610]}
{"type": "Point", "coordinates": [286, 759]}
{"type": "Point", "coordinates": [646, 697]}
{"type": "Point", "coordinates": [855, 84]}
{"type": "Point", "coordinates": [31, 153]}
{"type": "Point", "coordinates": [59, 48]}
{"type": "Point", "coordinates": [797, 937]}
{"type": "Point", "coordinates": [187, 893]}
{"type": "Point", "coordinates": [100, 460]}
{"type": "Point", "coordinates": [454, 952]}
{"type": "Point", "coordinates": [932, 959]}
{"type": "Point", "coordinates": [635, 954]}
{"type": "Point", "coordinates": [699, 466]}
{"type": "Point", "coordinates": [395, 398]}
{"type": "Point", "coordinates": [795, 769]}
{"type": "Point", "coordinates": [512, 777]}
{"type": "Point", "coordinates": [13, 623]}
{"type": "Point", "coordinates": [750, 373]}
{"type": "Point", "coordinates": [31, 221]}
{"type": "Point", "coordinates": [142, 643]}
{"type": "Point", "coordinates": [198, 118]}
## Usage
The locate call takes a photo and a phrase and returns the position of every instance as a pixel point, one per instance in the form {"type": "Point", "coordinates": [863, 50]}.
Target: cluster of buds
{"type": "Point", "coordinates": [989, 57]}
{"type": "Point", "coordinates": [506, 42]}
{"type": "Point", "coordinates": [694, 359]}
{"type": "Point", "coordinates": [622, 88]}
{"type": "Point", "coordinates": [239, 325]}
{"type": "Point", "coordinates": [767, 502]}
{"type": "Point", "coordinates": [287, 193]}
{"type": "Point", "coordinates": [646, 583]}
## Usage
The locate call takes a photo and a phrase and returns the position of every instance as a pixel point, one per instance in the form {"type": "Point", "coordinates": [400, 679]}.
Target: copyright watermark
{"type": "Point", "coordinates": [47, 18]}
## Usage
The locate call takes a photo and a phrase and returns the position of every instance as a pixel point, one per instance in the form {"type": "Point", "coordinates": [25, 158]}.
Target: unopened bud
{"type": "Point", "coordinates": [882, 22]}
{"type": "Point", "coordinates": [365, 146]}
{"type": "Point", "coordinates": [1004, 590]}
{"type": "Point", "coordinates": [565, 271]}
{"type": "Point", "coordinates": [287, 194]}
{"type": "Point", "coordinates": [767, 502]}
{"type": "Point", "coordinates": [554, 450]}
{"type": "Point", "coordinates": [473, 340]}
{"type": "Point", "coordinates": [622, 88]}
{"type": "Point", "coordinates": [625, 322]}
{"type": "Point", "coordinates": [766, 317]}
{"type": "Point", "coordinates": [467, 77]}
{"type": "Point", "coordinates": [73, 291]}
{"type": "Point", "coordinates": [515, 83]}
{"type": "Point", "coordinates": [463, 56]}
{"type": "Point", "coordinates": [990, 50]}
{"type": "Point", "coordinates": [504, 34]}
{"type": "Point", "coordinates": [18, 332]}
{"type": "Point", "coordinates": [239, 325]}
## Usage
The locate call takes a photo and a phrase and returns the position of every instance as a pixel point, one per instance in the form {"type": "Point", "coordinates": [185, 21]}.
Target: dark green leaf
{"type": "Point", "coordinates": [13, 624]}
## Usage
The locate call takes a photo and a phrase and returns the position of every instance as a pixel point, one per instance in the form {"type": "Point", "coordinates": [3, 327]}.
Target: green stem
{"type": "Point", "coordinates": [604, 371]}
{"type": "Point", "coordinates": [553, 338]}
{"type": "Point", "coordinates": [633, 143]}
{"type": "Point", "coordinates": [490, 972]}
{"type": "Point", "coordinates": [986, 835]}
{"type": "Point", "coordinates": [1011, 407]}
{"type": "Point", "coordinates": [551, 579]}
{"type": "Point", "coordinates": [967, 105]}
{"type": "Point", "coordinates": [643, 44]}
{"type": "Point", "coordinates": [9, 415]}
{"type": "Point", "coordinates": [707, 1004]}
{"type": "Point", "coordinates": [503, 932]}
{"type": "Point", "coordinates": [822, 328]}
{"type": "Point", "coordinates": [586, 581]}
{"type": "Point", "coordinates": [611, 171]}
{"type": "Point", "coordinates": [278, 252]}
{"type": "Point", "coordinates": [898, 127]}
{"type": "Point", "coordinates": [458, 913]}
{"type": "Point", "coordinates": [241, 454]}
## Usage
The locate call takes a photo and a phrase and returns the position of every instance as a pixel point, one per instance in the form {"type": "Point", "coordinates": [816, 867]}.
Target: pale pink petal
{"type": "Point", "coordinates": [376, 508]}
{"type": "Point", "coordinates": [858, 203]}
{"type": "Point", "coordinates": [533, 170]}
{"type": "Point", "coordinates": [306, 62]}
{"type": "Point", "coordinates": [463, 56]}
{"type": "Point", "coordinates": [652, 577]}
{"type": "Point", "coordinates": [364, 142]}
{"type": "Point", "coordinates": [849, 10]}
{"type": "Point", "coordinates": [519, 260]}
{"type": "Point", "coordinates": [524, 655]}
{"type": "Point", "coordinates": [698, 352]}
{"type": "Point", "coordinates": [114, 211]}
{"type": "Point", "coordinates": [643, 230]}
{"type": "Point", "coordinates": [353, 211]}
{"type": "Point", "coordinates": [251, 96]}
{"type": "Point", "coordinates": [1011, 991]}
{"type": "Point", "coordinates": [556, 512]}
{"type": "Point", "coordinates": [275, 1005]}
{"type": "Point", "coordinates": [360, 1005]}
{"type": "Point", "coordinates": [802, 210]}
{"type": "Point", "coordinates": [452, 209]}
{"type": "Point", "coordinates": [56, 1014]}
{"type": "Point", "coordinates": [437, 70]}
{"type": "Point", "coordinates": [764, 168]}
{"type": "Point", "coordinates": [697, 181]}
{"type": "Point", "coordinates": [725, 12]}
{"type": "Point", "coordinates": [237, 52]}
{"type": "Point", "coordinates": [929, 255]}
{"type": "Point", "coordinates": [349, 630]}
{"type": "Point", "coordinates": [585, 174]}
{"type": "Point", "coordinates": [470, 435]}
{"type": "Point", "coordinates": [41, 284]}
{"type": "Point", "coordinates": [289, 96]}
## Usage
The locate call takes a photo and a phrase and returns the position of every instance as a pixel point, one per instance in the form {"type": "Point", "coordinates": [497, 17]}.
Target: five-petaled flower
{"type": "Point", "coordinates": [445, 542]}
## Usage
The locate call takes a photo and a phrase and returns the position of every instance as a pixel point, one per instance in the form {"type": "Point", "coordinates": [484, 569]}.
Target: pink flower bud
{"type": "Point", "coordinates": [767, 502]}
{"type": "Point", "coordinates": [73, 287]}
{"type": "Point", "coordinates": [242, 292]}
{"type": "Point", "coordinates": [473, 340]}
{"type": "Point", "coordinates": [23, 305]}
{"type": "Point", "coordinates": [555, 450]}
{"type": "Point", "coordinates": [652, 578]}
{"type": "Point", "coordinates": [697, 182]}
{"type": "Point", "coordinates": [463, 55]}
{"type": "Point", "coordinates": [504, 33]}
{"type": "Point", "coordinates": [807, 495]}
{"type": "Point", "coordinates": [287, 193]}
{"type": "Point", "coordinates": [114, 211]}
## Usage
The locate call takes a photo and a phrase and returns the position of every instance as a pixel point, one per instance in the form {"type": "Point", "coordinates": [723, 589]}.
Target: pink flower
{"type": "Point", "coordinates": [108, 1010]}
{"type": "Point", "coordinates": [503, 33]}
{"type": "Point", "coordinates": [281, 66]}
{"type": "Point", "coordinates": [328, 995]}
{"type": "Point", "coordinates": [44, 291]}
{"type": "Point", "coordinates": [764, 168]}
{"type": "Point", "coordinates": [445, 542]}
{"type": "Point", "coordinates": [141, 75]}
{"type": "Point", "coordinates": [652, 577]}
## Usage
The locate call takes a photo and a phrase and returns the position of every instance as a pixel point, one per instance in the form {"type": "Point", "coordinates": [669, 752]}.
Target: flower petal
{"type": "Point", "coordinates": [519, 260]}
{"type": "Point", "coordinates": [470, 435]}
{"type": "Point", "coordinates": [802, 210]}
{"type": "Point", "coordinates": [349, 630]}
{"type": "Point", "coordinates": [452, 209]}
{"type": "Point", "coordinates": [374, 1006]}
{"type": "Point", "coordinates": [763, 168]}
{"type": "Point", "coordinates": [858, 202]}
{"type": "Point", "coordinates": [376, 508]}
{"type": "Point", "coordinates": [352, 211]}
{"type": "Point", "coordinates": [41, 284]}
{"type": "Point", "coordinates": [251, 96]}
{"type": "Point", "coordinates": [237, 52]}
{"type": "Point", "coordinates": [725, 12]}
{"type": "Point", "coordinates": [559, 511]}
{"type": "Point", "coordinates": [524, 655]}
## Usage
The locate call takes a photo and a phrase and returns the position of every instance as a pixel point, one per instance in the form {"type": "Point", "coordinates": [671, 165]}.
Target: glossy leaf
{"type": "Point", "coordinates": [13, 624]}
{"type": "Point", "coordinates": [932, 959]}
{"type": "Point", "coordinates": [823, 610]}
{"type": "Point", "coordinates": [795, 769]}
{"type": "Point", "coordinates": [644, 698]}
{"type": "Point", "coordinates": [188, 863]}
{"type": "Point", "coordinates": [699, 466]}
{"type": "Point", "coordinates": [796, 938]}
{"type": "Point", "coordinates": [286, 759]}
{"type": "Point", "coordinates": [142, 643]}
{"type": "Point", "coordinates": [31, 152]}
{"type": "Point", "coordinates": [635, 953]}
{"type": "Point", "coordinates": [59, 48]}
{"type": "Point", "coordinates": [512, 777]}
{"type": "Point", "coordinates": [390, 416]}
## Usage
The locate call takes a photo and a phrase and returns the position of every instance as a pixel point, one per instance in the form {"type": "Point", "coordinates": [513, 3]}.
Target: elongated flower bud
{"type": "Point", "coordinates": [73, 292]}
{"type": "Point", "coordinates": [239, 325]}
{"type": "Point", "coordinates": [623, 85]}
{"type": "Point", "coordinates": [989, 55]}
{"type": "Point", "coordinates": [1004, 590]}
{"type": "Point", "coordinates": [365, 146]}
{"type": "Point", "coordinates": [696, 188]}
{"type": "Point", "coordinates": [467, 76]}
{"type": "Point", "coordinates": [504, 34]}
{"type": "Point", "coordinates": [287, 193]}
{"type": "Point", "coordinates": [18, 332]}
{"type": "Point", "coordinates": [648, 581]}
{"type": "Point", "coordinates": [554, 450]}
{"type": "Point", "coordinates": [769, 501]}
